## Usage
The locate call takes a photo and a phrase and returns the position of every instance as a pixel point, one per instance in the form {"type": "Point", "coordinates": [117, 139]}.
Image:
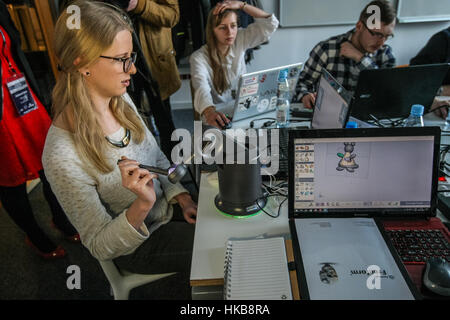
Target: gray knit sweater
{"type": "Point", "coordinates": [95, 203]}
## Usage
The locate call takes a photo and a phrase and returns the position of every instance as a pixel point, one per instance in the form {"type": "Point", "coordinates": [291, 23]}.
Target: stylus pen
{"type": "Point", "coordinates": [150, 168]}
{"type": "Point", "coordinates": [154, 169]}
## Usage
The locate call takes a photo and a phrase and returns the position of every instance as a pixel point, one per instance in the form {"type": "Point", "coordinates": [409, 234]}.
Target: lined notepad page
{"type": "Point", "coordinates": [256, 269]}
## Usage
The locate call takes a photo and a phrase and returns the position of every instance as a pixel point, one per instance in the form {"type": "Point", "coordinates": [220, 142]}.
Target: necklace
{"type": "Point", "coordinates": [122, 143]}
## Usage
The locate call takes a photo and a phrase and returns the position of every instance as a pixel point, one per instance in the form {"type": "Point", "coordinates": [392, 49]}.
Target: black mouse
{"type": "Point", "coordinates": [227, 126]}
{"type": "Point", "coordinates": [437, 276]}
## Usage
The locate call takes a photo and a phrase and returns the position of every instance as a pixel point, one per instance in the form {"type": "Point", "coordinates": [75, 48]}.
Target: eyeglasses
{"type": "Point", "coordinates": [379, 35]}
{"type": "Point", "coordinates": [127, 62]}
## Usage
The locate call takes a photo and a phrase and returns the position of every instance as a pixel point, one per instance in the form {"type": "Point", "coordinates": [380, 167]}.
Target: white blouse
{"type": "Point", "coordinates": [202, 73]}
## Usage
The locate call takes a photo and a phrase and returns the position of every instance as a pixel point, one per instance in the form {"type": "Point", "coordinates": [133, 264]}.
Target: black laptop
{"type": "Point", "coordinates": [388, 174]}
{"type": "Point", "coordinates": [390, 93]}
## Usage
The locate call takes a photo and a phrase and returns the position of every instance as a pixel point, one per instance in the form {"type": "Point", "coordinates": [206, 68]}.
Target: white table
{"type": "Point", "coordinates": [212, 231]}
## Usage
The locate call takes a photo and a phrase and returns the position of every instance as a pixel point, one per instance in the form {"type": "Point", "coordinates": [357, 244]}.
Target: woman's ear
{"type": "Point", "coordinates": [84, 70]}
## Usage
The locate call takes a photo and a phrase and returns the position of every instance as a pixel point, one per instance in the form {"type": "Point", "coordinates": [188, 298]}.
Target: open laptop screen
{"type": "Point", "coordinates": [390, 92]}
{"type": "Point", "coordinates": [256, 92]}
{"type": "Point", "coordinates": [332, 106]}
{"type": "Point", "coordinates": [364, 173]}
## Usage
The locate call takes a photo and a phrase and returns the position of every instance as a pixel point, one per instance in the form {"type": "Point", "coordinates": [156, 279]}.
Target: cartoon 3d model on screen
{"type": "Point", "coordinates": [347, 161]}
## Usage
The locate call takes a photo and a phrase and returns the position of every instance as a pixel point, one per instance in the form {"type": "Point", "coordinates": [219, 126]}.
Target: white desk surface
{"type": "Point", "coordinates": [213, 230]}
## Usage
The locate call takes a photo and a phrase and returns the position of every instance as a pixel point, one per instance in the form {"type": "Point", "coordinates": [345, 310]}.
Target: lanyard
{"type": "Point", "coordinates": [5, 46]}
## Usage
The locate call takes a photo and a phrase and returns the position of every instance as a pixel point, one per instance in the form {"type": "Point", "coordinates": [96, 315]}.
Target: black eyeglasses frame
{"type": "Point", "coordinates": [379, 35]}
{"type": "Point", "coordinates": [126, 67]}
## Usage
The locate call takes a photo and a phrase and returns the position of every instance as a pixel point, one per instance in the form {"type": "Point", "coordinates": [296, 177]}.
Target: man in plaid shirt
{"type": "Point", "coordinates": [346, 55]}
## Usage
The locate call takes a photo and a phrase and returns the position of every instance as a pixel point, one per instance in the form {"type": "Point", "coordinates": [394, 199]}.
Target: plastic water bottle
{"type": "Point", "coordinates": [351, 124]}
{"type": "Point", "coordinates": [415, 118]}
{"type": "Point", "coordinates": [283, 100]}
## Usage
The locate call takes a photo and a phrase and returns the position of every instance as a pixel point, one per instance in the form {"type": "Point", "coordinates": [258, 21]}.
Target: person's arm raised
{"type": "Point", "coordinates": [241, 5]}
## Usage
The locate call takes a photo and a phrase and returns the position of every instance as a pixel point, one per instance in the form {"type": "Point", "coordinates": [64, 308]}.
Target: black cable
{"type": "Point", "coordinates": [273, 192]}
{"type": "Point", "coordinates": [279, 208]}
{"type": "Point", "coordinates": [440, 107]}
{"type": "Point", "coordinates": [391, 122]}
{"type": "Point", "coordinates": [376, 121]}
{"type": "Point", "coordinates": [262, 209]}
{"type": "Point", "coordinates": [266, 198]}
{"type": "Point", "coordinates": [252, 123]}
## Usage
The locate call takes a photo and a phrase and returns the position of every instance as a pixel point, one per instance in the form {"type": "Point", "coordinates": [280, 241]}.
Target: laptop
{"type": "Point", "coordinates": [256, 92]}
{"type": "Point", "coordinates": [389, 174]}
{"type": "Point", "coordinates": [332, 104]}
{"type": "Point", "coordinates": [389, 93]}
{"type": "Point", "coordinates": [331, 111]}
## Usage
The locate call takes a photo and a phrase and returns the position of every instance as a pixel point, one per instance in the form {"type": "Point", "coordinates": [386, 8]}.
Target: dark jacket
{"type": "Point", "coordinates": [153, 21]}
{"type": "Point", "coordinates": [437, 50]}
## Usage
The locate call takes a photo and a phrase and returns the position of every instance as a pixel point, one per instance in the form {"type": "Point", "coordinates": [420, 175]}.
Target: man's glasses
{"type": "Point", "coordinates": [127, 62]}
{"type": "Point", "coordinates": [379, 35]}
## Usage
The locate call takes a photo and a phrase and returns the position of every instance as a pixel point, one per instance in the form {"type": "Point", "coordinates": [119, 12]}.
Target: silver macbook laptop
{"type": "Point", "coordinates": [256, 92]}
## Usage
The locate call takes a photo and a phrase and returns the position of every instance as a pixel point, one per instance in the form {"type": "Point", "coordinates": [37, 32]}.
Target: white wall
{"type": "Point", "coordinates": [291, 45]}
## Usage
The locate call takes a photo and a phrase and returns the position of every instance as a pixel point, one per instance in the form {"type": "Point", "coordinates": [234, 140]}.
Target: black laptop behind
{"type": "Point", "coordinates": [390, 93]}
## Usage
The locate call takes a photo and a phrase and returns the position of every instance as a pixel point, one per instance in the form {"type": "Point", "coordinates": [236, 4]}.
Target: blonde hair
{"type": "Point", "coordinates": [220, 80]}
{"type": "Point", "coordinates": [99, 26]}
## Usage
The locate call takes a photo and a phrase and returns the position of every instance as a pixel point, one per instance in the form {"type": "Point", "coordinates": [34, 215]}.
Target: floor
{"type": "Point", "coordinates": [25, 275]}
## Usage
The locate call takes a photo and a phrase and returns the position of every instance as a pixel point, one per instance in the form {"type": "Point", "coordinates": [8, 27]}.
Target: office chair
{"type": "Point", "coordinates": [122, 281]}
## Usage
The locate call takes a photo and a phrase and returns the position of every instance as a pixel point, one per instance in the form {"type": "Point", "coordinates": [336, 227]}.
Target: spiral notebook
{"type": "Point", "coordinates": [256, 269]}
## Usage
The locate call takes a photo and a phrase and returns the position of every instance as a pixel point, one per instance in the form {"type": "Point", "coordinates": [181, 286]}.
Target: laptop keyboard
{"type": "Point", "coordinates": [418, 245]}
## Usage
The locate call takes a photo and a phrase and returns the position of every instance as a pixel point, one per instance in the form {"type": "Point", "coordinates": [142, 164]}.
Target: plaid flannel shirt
{"type": "Point", "coordinates": [345, 70]}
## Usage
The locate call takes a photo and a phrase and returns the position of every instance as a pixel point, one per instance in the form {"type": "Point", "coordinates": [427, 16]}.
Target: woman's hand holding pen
{"type": "Point", "coordinates": [139, 181]}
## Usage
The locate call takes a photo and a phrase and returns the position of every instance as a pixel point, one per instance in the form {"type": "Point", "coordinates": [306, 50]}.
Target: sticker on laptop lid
{"type": "Point", "coordinates": [263, 105]}
{"type": "Point", "coordinates": [263, 78]}
{"type": "Point", "coordinates": [273, 102]}
{"type": "Point", "coordinates": [249, 90]}
{"type": "Point", "coordinates": [247, 102]}
{"type": "Point", "coordinates": [293, 72]}
{"type": "Point", "coordinates": [249, 81]}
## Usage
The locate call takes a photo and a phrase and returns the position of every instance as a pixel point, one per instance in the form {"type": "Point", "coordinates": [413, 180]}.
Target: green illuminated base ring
{"type": "Point", "coordinates": [236, 211]}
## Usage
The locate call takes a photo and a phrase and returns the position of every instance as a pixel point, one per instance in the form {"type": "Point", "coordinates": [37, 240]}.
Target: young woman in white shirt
{"type": "Point", "coordinates": [216, 66]}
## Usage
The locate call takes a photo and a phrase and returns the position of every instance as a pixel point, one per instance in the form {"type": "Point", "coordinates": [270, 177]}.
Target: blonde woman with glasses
{"type": "Point", "coordinates": [121, 211]}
